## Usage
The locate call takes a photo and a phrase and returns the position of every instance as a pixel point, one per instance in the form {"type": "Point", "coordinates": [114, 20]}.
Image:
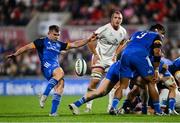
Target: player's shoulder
{"type": "Point", "coordinates": [61, 42]}
{"type": "Point", "coordinates": [105, 26]}
{"type": "Point", "coordinates": [177, 60]}
{"type": "Point", "coordinates": [101, 29]}
{"type": "Point", "coordinates": [166, 61]}
{"type": "Point", "coordinates": [153, 33]}
{"type": "Point", "coordinates": [41, 38]}
{"type": "Point", "coordinates": [122, 30]}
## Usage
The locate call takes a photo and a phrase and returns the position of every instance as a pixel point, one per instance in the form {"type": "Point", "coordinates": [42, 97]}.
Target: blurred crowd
{"type": "Point", "coordinates": [29, 64]}
{"type": "Point", "coordinates": [84, 12]}
{"type": "Point", "coordinates": [19, 12]}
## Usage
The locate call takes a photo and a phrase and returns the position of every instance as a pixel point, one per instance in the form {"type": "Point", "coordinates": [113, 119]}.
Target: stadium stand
{"type": "Point", "coordinates": [19, 13]}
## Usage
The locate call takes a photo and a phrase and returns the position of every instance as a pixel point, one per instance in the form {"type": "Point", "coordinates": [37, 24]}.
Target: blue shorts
{"type": "Point", "coordinates": [48, 72]}
{"type": "Point", "coordinates": [135, 62]}
{"type": "Point", "coordinates": [113, 72]}
{"type": "Point", "coordinates": [166, 74]}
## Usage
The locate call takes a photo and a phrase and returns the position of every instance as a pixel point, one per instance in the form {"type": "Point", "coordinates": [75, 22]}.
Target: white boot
{"type": "Point", "coordinates": [42, 100]}
{"type": "Point", "coordinates": [111, 96]}
{"type": "Point", "coordinates": [88, 106]}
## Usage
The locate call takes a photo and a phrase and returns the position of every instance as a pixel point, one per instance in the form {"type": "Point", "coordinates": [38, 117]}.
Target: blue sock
{"type": "Point", "coordinates": [55, 103]}
{"type": "Point", "coordinates": [80, 102]}
{"type": "Point", "coordinates": [144, 109]}
{"type": "Point", "coordinates": [172, 102]}
{"type": "Point", "coordinates": [50, 86]}
{"type": "Point", "coordinates": [115, 102]}
{"type": "Point", "coordinates": [157, 107]}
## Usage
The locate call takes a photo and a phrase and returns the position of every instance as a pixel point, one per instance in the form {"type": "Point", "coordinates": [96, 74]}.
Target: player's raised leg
{"type": "Point", "coordinates": [102, 90]}
{"type": "Point", "coordinates": [56, 76]}
{"type": "Point", "coordinates": [58, 90]}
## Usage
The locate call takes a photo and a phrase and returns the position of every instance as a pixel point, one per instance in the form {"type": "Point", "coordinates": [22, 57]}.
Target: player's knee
{"type": "Point", "coordinates": [101, 93]}
{"type": "Point", "coordinates": [93, 84]}
{"type": "Point", "coordinates": [170, 82]}
{"type": "Point", "coordinates": [149, 79]}
{"type": "Point", "coordinates": [90, 89]}
{"type": "Point", "coordinates": [177, 75]}
{"type": "Point", "coordinates": [96, 75]}
{"type": "Point", "coordinates": [58, 74]}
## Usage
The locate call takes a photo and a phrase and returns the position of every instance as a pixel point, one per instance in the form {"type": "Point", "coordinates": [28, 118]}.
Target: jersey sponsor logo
{"type": "Point", "coordinates": [53, 47]}
{"type": "Point", "coordinates": [114, 42]}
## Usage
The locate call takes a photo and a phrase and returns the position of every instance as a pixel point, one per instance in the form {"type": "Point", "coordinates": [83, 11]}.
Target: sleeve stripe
{"type": "Point", "coordinates": [67, 47]}
{"type": "Point", "coordinates": [158, 42]}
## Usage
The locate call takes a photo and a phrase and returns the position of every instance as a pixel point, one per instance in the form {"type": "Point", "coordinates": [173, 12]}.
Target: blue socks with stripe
{"type": "Point", "coordinates": [80, 102]}
{"type": "Point", "coordinates": [115, 103]}
{"type": "Point", "coordinates": [50, 86]}
{"type": "Point", "coordinates": [157, 107]}
{"type": "Point", "coordinates": [172, 102]}
{"type": "Point", "coordinates": [55, 103]}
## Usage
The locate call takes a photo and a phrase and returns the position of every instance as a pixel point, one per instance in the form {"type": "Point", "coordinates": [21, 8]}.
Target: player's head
{"type": "Point", "coordinates": [116, 19]}
{"type": "Point", "coordinates": [158, 28]}
{"type": "Point", "coordinates": [53, 33]}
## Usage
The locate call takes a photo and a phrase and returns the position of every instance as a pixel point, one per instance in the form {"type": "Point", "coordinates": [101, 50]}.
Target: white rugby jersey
{"type": "Point", "coordinates": [108, 41]}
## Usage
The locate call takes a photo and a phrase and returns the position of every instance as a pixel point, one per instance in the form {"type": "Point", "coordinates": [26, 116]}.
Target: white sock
{"type": "Point", "coordinates": [111, 96]}
{"type": "Point", "coordinates": [89, 104]}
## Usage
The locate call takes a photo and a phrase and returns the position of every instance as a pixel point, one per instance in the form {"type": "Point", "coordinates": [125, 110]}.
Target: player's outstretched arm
{"type": "Point", "coordinates": [21, 50]}
{"type": "Point", "coordinates": [92, 47]}
{"type": "Point", "coordinates": [80, 43]}
{"type": "Point", "coordinates": [120, 48]}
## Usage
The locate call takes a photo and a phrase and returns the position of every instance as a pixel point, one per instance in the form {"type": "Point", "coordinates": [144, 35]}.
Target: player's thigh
{"type": "Point", "coordinates": [113, 73]}
{"type": "Point", "coordinates": [143, 66]}
{"type": "Point", "coordinates": [125, 67]}
{"type": "Point", "coordinates": [105, 86]}
{"type": "Point", "coordinates": [178, 101]}
{"type": "Point", "coordinates": [177, 77]}
{"type": "Point", "coordinates": [163, 96]}
{"type": "Point", "coordinates": [96, 76]}
{"type": "Point", "coordinates": [170, 82]}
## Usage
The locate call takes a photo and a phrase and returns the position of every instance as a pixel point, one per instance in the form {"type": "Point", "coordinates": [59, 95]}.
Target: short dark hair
{"type": "Point", "coordinates": [54, 28]}
{"type": "Point", "coordinates": [115, 12]}
{"type": "Point", "coordinates": [158, 27]}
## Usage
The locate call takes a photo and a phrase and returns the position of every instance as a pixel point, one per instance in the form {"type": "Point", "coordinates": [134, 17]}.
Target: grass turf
{"type": "Point", "coordinates": [26, 109]}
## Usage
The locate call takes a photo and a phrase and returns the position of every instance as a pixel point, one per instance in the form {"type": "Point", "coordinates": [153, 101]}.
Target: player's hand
{"type": "Point", "coordinates": [93, 37]}
{"type": "Point", "coordinates": [156, 75]}
{"type": "Point", "coordinates": [114, 58]}
{"type": "Point", "coordinates": [160, 77]}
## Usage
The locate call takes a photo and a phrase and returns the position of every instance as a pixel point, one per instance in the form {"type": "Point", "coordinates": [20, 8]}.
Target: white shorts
{"type": "Point", "coordinates": [164, 96]}
{"type": "Point", "coordinates": [177, 101]}
{"type": "Point", "coordinates": [103, 63]}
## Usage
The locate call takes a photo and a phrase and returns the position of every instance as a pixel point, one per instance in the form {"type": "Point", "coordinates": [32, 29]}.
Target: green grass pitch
{"type": "Point", "coordinates": [26, 109]}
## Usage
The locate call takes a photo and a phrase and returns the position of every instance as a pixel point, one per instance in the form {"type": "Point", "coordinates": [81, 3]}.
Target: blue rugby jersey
{"type": "Point", "coordinates": [49, 51]}
{"type": "Point", "coordinates": [142, 41]}
{"type": "Point", "coordinates": [175, 66]}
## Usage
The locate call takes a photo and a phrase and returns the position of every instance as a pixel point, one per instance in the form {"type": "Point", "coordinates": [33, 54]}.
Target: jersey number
{"type": "Point", "coordinates": [141, 35]}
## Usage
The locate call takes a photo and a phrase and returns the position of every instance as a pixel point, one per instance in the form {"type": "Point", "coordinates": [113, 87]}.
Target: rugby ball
{"type": "Point", "coordinates": [80, 67]}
